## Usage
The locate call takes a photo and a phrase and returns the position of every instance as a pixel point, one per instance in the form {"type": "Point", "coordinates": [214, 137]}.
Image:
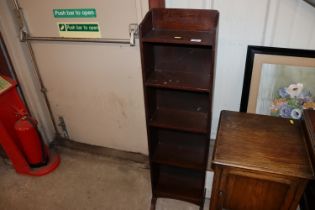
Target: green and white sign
{"type": "Point", "coordinates": [75, 13]}
{"type": "Point", "coordinates": [93, 27]}
{"type": "Point", "coordinates": [79, 30]}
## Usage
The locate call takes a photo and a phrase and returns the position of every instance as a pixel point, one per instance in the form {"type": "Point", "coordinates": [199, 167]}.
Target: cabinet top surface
{"type": "Point", "coordinates": [262, 143]}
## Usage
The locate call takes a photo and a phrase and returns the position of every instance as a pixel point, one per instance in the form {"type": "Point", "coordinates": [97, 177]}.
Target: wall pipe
{"type": "Point", "coordinates": [23, 28]}
{"type": "Point", "coordinates": [25, 37]}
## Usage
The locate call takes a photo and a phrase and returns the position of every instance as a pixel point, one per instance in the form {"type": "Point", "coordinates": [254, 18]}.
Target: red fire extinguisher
{"type": "Point", "coordinates": [30, 141]}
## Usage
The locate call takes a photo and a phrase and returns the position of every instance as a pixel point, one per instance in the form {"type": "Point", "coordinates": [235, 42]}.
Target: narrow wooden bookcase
{"type": "Point", "coordinates": [177, 51]}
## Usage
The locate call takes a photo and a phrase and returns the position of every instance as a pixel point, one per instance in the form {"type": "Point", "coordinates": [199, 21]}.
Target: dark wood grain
{"type": "Point", "coordinates": [183, 58]}
{"type": "Point", "coordinates": [180, 110]}
{"type": "Point", "coordinates": [308, 201]}
{"type": "Point", "coordinates": [180, 184]}
{"type": "Point", "coordinates": [253, 142]}
{"type": "Point", "coordinates": [182, 100]}
{"type": "Point", "coordinates": [180, 120]}
{"type": "Point", "coordinates": [247, 190]}
{"type": "Point", "coordinates": [189, 20]}
{"type": "Point", "coordinates": [250, 187]}
{"type": "Point", "coordinates": [260, 162]}
{"type": "Point", "coordinates": [181, 149]}
{"type": "Point", "coordinates": [177, 57]}
{"type": "Point", "coordinates": [156, 4]}
{"type": "Point", "coordinates": [178, 80]}
{"type": "Point", "coordinates": [180, 37]}
{"type": "Point", "coordinates": [309, 129]}
{"type": "Point", "coordinates": [183, 67]}
{"type": "Point", "coordinates": [309, 117]}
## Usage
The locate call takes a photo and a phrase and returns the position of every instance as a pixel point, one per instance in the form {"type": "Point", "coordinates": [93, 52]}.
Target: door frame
{"type": "Point", "coordinates": [24, 68]}
{"type": "Point", "coordinates": [6, 67]}
{"type": "Point", "coordinates": [156, 4]}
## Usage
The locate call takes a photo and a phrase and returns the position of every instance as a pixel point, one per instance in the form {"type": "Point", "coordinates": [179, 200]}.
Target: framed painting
{"type": "Point", "coordinates": [278, 81]}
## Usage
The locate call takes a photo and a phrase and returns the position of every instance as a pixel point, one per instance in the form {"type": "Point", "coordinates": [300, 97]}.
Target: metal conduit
{"type": "Point", "coordinates": [25, 37]}
{"type": "Point", "coordinates": [22, 27]}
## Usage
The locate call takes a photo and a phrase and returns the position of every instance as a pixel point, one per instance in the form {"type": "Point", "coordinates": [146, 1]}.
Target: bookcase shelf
{"type": "Point", "coordinates": [179, 184]}
{"type": "Point", "coordinates": [180, 149]}
{"type": "Point", "coordinates": [177, 56]}
{"type": "Point", "coordinates": [180, 120]}
{"type": "Point", "coordinates": [178, 80]}
{"type": "Point", "coordinates": [202, 38]}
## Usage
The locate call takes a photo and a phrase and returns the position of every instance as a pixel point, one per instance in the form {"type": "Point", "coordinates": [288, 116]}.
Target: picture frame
{"type": "Point", "coordinates": [278, 81]}
{"type": "Point", "coordinates": [311, 2]}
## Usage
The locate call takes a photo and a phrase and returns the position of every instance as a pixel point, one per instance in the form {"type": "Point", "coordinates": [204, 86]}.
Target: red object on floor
{"type": "Point", "coordinates": [31, 144]}
{"type": "Point", "coordinates": [12, 110]}
{"type": "Point", "coordinates": [10, 104]}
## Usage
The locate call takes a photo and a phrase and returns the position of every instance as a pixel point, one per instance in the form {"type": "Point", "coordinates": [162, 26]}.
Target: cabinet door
{"type": "Point", "coordinates": [243, 190]}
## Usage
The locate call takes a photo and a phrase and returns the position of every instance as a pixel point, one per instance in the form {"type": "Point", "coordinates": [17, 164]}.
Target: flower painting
{"type": "Point", "coordinates": [279, 94]}
{"type": "Point", "coordinates": [278, 81]}
{"type": "Point", "coordinates": [290, 101]}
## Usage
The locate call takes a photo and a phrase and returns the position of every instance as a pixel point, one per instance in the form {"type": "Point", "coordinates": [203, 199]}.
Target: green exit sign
{"type": "Point", "coordinates": [75, 13]}
{"type": "Point", "coordinates": [78, 27]}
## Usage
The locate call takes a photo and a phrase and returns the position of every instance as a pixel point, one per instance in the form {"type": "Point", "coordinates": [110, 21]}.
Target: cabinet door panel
{"type": "Point", "coordinates": [246, 193]}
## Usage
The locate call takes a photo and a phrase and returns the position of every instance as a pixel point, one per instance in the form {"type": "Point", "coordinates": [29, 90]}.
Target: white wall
{"type": "Point", "coordinates": [279, 23]}
{"type": "Point", "coordinates": [24, 69]}
{"type": "Point", "coordinates": [96, 88]}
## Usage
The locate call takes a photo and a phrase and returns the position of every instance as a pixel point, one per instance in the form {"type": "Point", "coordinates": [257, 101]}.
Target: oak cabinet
{"type": "Point", "coordinates": [260, 162]}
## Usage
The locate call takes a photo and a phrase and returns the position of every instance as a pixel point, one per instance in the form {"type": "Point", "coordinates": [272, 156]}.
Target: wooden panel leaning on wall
{"type": "Point", "coordinates": [308, 202]}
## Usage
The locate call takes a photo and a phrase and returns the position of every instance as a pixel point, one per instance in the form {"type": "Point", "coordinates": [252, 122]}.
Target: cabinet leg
{"type": "Point", "coordinates": [201, 207]}
{"type": "Point", "coordinates": [202, 204]}
{"type": "Point", "coordinates": [153, 203]}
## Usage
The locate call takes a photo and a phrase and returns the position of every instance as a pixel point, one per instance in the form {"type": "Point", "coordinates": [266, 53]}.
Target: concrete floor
{"type": "Point", "coordinates": [83, 181]}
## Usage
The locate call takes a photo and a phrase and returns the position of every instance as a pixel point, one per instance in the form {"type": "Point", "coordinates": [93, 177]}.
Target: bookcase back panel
{"type": "Point", "coordinates": [182, 58]}
{"type": "Point", "coordinates": [194, 20]}
{"type": "Point", "coordinates": [181, 100]}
